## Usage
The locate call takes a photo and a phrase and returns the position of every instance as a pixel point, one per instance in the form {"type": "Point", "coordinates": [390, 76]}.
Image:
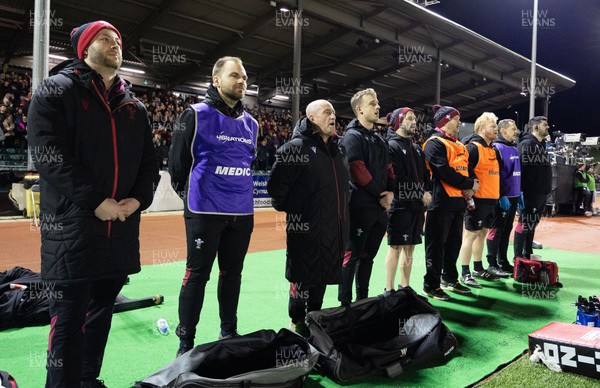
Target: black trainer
{"type": "Point", "coordinates": [507, 267]}
{"type": "Point", "coordinates": [468, 280]}
{"type": "Point", "coordinates": [498, 272]}
{"type": "Point", "coordinates": [456, 287]}
{"type": "Point", "coordinates": [223, 335]}
{"type": "Point", "coordinates": [438, 294]}
{"type": "Point", "coordinates": [184, 348]}
{"type": "Point", "coordinates": [485, 275]}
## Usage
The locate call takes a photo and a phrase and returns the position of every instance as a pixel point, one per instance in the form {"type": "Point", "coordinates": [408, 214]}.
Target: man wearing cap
{"type": "Point", "coordinates": [371, 194]}
{"type": "Point", "coordinates": [90, 140]}
{"type": "Point", "coordinates": [448, 161]}
{"type": "Point", "coordinates": [411, 195]}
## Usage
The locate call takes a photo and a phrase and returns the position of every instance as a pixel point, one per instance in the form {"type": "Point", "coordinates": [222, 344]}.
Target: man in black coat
{"type": "Point", "coordinates": [309, 181]}
{"type": "Point", "coordinates": [447, 159]}
{"type": "Point", "coordinates": [536, 183]}
{"type": "Point", "coordinates": [90, 140]}
{"type": "Point", "coordinates": [371, 194]}
{"type": "Point", "coordinates": [412, 195]}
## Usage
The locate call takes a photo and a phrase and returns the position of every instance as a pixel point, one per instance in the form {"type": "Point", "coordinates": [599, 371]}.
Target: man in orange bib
{"type": "Point", "coordinates": [447, 160]}
{"type": "Point", "coordinates": [484, 166]}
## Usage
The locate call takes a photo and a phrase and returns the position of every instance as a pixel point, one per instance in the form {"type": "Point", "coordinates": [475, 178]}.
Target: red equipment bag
{"type": "Point", "coordinates": [536, 271]}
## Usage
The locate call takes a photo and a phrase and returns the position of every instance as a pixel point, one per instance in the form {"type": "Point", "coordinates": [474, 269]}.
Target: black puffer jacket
{"type": "Point", "coordinates": [411, 174]}
{"type": "Point", "coordinates": [536, 170]}
{"type": "Point", "coordinates": [309, 181]}
{"type": "Point", "coordinates": [89, 144]}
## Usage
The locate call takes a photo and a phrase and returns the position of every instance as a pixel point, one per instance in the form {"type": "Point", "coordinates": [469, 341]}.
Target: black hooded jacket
{"type": "Point", "coordinates": [371, 171]}
{"type": "Point", "coordinates": [410, 172]}
{"type": "Point", "coordinates": [89, 144]}
{"type": "Point", "coordinates": [309, 181]}
{"type": "Point", "coordinates": [536, 170]}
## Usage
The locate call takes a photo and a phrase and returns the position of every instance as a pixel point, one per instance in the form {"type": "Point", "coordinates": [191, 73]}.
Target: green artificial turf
{"type": "Point", "coordinates": [491, 325]}
{"type": "Point", "coordinates": [525, 373]}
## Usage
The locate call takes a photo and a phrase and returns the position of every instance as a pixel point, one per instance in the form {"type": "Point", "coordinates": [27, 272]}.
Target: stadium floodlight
{"type": "Point", "coordinates": [61, 57]}
{"type": "Point", "coordinates": [591, 141]}
{"type": "Point", "coordinates": [130, 70]}
{"type": "Point", "coordinates": [425, 3]}
{"type": "Point", "coordinates": [573, 137]}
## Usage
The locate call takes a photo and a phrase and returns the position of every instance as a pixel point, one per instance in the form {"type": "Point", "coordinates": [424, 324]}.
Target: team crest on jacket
{"type": "Point", "coordinates": [131, 111]}
{"type": "Point", "coordinates": [314, 149]}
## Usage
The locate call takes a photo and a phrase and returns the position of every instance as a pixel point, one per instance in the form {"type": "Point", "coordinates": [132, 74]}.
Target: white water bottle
{"type": "Point", "coordinates": [163, 326]}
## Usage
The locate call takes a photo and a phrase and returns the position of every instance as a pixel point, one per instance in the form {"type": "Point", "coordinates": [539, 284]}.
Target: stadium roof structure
{"type": "Point", "coordinates": [398, 47]}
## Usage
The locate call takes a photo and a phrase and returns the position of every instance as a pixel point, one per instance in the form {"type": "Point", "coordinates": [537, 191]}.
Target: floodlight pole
{"type": "Point", "coordinates": [297, 61]}
{"type": "Point", "coordinates": [41, 43]}
{"type": "Point", "coordinates": [533, 61]}
{"type": "Point", "coordinates": [438, 77]}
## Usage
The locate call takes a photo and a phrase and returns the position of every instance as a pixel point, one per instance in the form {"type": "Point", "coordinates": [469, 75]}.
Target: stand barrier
{"type": "Point", "coordinates": [166, 199]}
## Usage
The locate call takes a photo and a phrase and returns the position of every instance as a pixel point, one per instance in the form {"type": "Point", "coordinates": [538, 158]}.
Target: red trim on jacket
{"type": "Point", "coordinates": [360, 173]}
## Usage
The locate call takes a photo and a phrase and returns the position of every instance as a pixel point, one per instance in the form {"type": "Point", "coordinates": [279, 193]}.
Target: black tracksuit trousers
{"type": "Point", "coordinates": [367, 228]}
{"type": "Point", "coordinates": [499, 233]}
{"type": "Point", "coordinates": [209, 236]}
{"type": "Point", "coordinates": [80, 320]}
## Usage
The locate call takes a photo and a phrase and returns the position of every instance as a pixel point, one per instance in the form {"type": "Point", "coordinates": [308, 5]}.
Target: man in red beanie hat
{"type": "Point", "coordinates": [448, 161]}
{"type": "Point", "coordinates": [90, 140]}
{"type": "Point", "coordinates": [411, 196]}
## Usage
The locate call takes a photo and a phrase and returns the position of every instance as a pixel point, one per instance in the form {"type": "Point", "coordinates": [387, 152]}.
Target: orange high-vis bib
{"type": "Point", "coordinates": [458, 159]}
{"type": "Point", "coordinates": [488, 173]}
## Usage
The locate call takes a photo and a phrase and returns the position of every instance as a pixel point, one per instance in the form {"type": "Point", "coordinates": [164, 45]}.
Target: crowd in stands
{"type": "Point", "coordinates": [275, 124]}
{"type": "Point", "coordinates": [15, 93]}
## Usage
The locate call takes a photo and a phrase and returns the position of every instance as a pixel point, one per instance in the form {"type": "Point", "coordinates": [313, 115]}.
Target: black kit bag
{"type": "Point", "coordinates": [260, 359]}
{"type": "Point", "coordinates": [23, 299]}
{"type": "Point", "coordinates": [379, 336]}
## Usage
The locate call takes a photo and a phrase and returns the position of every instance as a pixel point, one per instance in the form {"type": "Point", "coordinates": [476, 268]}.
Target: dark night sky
{"type": "Point", "coordinates": [570, 47]}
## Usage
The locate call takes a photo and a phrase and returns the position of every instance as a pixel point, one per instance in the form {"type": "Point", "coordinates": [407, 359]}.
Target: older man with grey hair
{"type": "Point", "coordinates": [309, 181]}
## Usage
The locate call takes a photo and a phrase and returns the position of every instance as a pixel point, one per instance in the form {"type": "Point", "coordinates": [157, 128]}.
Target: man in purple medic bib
{"type": "Point", "coordinates": [510, 198]}
{"type": "Point", "coordinates": [213, 146]}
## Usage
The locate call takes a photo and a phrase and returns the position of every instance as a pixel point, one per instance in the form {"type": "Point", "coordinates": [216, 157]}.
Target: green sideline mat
{"type": "Point", "coordinates": [491, 325]}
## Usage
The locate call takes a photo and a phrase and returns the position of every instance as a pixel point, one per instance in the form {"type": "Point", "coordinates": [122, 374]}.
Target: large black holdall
{"type": "Point", "coordinates": [260, 359]}
{"type": "Point", "coordinates": [379, 336]}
